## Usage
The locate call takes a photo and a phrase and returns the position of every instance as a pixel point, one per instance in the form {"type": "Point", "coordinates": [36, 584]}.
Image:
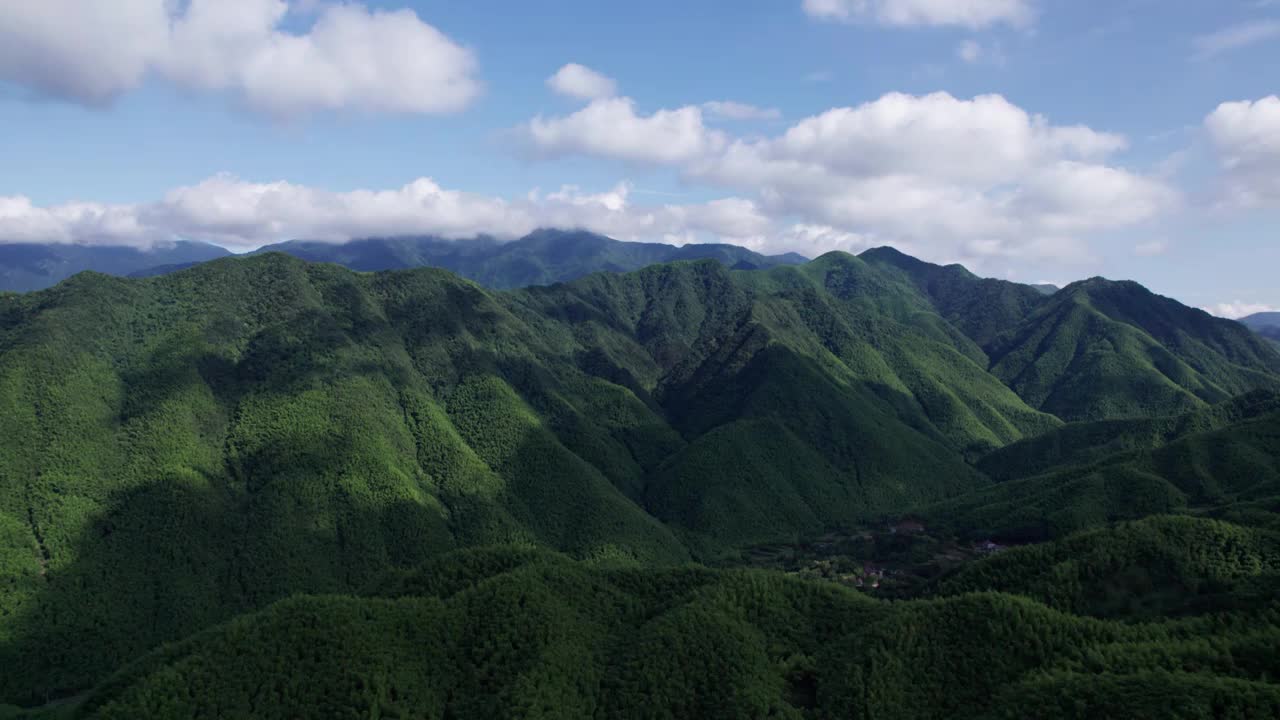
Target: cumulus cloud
{"type": "Point", "coordinates": [1246, 136]}
{"type": "Point", "coordinates": [731, 110]}
{"type": "Point", "coordinates": [77, 222]}
{"type": "Point", "coordinates": [350, 57]}
{"type": "Point", "coordinates": [957, 178]}
{"type": "Point", "coordinates": [612, 128]}
{"type": "Point", "coordinates": [908, 13]}
{"type": "Point", "coordinates": [581, 82]}
{"type": "Point", "coordinates": [241, 215]}
{"type": "Point", "coordinates": [734, 220]}
{"type": "Point", "coordinates": [1237, 309]}
{"type": "Point", "coordinates": [965, 178]}
{"type": "Point", "coordinates": [73, 48]}
{"type": "Point", "coordinates": [813, 240]}
{"type": "Point", "coordinates": [1235, 37]}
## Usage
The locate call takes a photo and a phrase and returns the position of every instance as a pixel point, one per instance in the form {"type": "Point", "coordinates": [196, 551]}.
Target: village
{"type": "Point", "coordinates": [891, 559]}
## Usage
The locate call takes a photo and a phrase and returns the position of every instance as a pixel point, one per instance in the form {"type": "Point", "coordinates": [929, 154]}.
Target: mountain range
{"type": "Point", "coordinates": [1266, 324]}
{"type": "Point", "coordinates": [540, 258]}
{"type": "Point", "coordinates": [34, 266]}
{"type": "Point", "coordinates": [269, 486]}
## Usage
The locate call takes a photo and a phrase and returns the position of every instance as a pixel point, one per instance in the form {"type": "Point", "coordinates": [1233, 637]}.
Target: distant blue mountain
{"type": "Point", "coordinates": [1266, 324]}
{"type": "Point", "coordinates": [31, 266]}
{"type": "Point", "coordinates": [540, 258]}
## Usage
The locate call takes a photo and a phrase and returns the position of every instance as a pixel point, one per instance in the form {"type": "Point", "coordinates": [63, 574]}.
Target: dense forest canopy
{"type": "Point", "coordinates": [262, 486]}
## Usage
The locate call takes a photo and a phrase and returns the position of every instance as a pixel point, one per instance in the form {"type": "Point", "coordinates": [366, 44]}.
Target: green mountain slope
{"type": "Point", "coordinates": [1084, 443]}
{"type": "Point", "coordinates": [982, 308]}
{"type": "Point", "coordinates": [1150, 568]}
{"type": "Point", "coordinates": [189, 448]}
{"type": "Point", "coordinates": [514, 634]}
{"type": "Point", "coordinates": [195, 445]}
{"type": "Point", "coordinates": [1231, 473]}
{"type": "Point", "coordinates": [1099, 349]}
{"type": "Point", "coordinates": [192, 446]}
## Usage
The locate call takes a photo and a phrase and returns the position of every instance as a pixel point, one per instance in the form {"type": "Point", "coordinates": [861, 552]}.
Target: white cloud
{"type": "Point", "coordinates": [731, 110]}
{"type": "Point", "coordinates": [232, 212]}
{"type": "Point", "coordinates": [1236, 310]}
{"type": "Point", "coordinates": [77, 222]}
{"type": "Point", "coordinates": [731, 219]}
{"type": "Point", "coordinates": [955, 178]}
{"type": "Point", "coordinates": [350, 58]}
{"type": "Point", "coordinates": [1151, 248]}
{"type": "Point", "coordinates": [73, 48]}
{"type": "Point", "coordinates": [1235, 37]}
{"type": "Point", "coordinates": [936, 135]}
{"type": "Point", "coordinates": [1246, 136]}
{"type": "Point", "coordinates": [611, 128]}
{"type": "Point", "coordinates": [813, 240]}
{"type": "Point", "coordinates": [908, 13]}
{"type": "Point", "coordinates": [581, 82]}
{"type": "Point", "coordinates": [242, 215]}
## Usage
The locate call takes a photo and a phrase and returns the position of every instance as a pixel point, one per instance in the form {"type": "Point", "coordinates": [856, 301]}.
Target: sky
{"type": "Point", "coordinates": [1033, 140]}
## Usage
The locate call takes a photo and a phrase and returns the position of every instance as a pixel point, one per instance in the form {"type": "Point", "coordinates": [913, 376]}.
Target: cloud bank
{"type": "Point", "coordinates": [243, 215]}
{"type": "Point", "coordinates": [967, 178]}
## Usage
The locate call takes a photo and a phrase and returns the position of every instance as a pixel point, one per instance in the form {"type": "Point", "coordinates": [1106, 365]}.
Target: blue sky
{"type": "Point", "coordinates": [1040, 140]}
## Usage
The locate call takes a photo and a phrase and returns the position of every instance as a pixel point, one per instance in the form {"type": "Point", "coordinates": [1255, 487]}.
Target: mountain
{"type": "Point", "coordinates": [1262, 320]}
{"type": "Point", "coordinates": [28, 266]}
{"type": "Point", "coordinates": [1099, 349]}
{"type": "Point", "coordinates": [517, 633]}
{"type": "Point", "coordinates": [1148, 569]}
{"type": "Point", "coordinates": [1084, 443]}
{"type": "Point", "coordinates": [540, 258]}
{"type": "Point", "coordinates": [1231, 473]}
{"type": "Point", "coordinates": [255, 427]}
{"type": "Point", "coordinates": [982, 308]}
{"type": "Point", "coordinates": [1266, 324]}
{"type": "Point", "coordinates": [301, 467]}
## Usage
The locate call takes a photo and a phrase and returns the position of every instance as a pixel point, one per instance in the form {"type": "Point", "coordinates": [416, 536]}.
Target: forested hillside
{"type": "Point", "coordinates": [1100, 349]}
{"type": "Point", "coordinates": [191, 448]}
{"type": "Point", "coordinates": [528, 635]}
{"type": "Point", "coordinates": [1231, 473]}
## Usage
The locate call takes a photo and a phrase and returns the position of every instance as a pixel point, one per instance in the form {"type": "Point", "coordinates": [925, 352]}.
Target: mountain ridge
{"type": "Point", "coordinates": [192, 447]}
{"type": "Point", "coordinates": [32, 266]}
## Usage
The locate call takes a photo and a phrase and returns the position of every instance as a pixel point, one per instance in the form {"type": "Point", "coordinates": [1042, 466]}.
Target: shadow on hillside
{"type": "Point", "coordinates": [186, 546]}
{"type": "Point", "coordinates": [187, 551]}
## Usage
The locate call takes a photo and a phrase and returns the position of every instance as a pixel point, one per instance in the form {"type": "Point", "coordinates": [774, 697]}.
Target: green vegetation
{"type": "Point", "coordinates": [1100, 350]}
{"type": "Point", "coordinates": [519, 634]}
{"type": "Point", "coordinates": [1151, 568]}
{"type": "Point", "coordinates": [1232, 473]}
{"type": "Point", "coordinates": [250, 487]}
{"type": "Point", "coordinates": [1084, 443]}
